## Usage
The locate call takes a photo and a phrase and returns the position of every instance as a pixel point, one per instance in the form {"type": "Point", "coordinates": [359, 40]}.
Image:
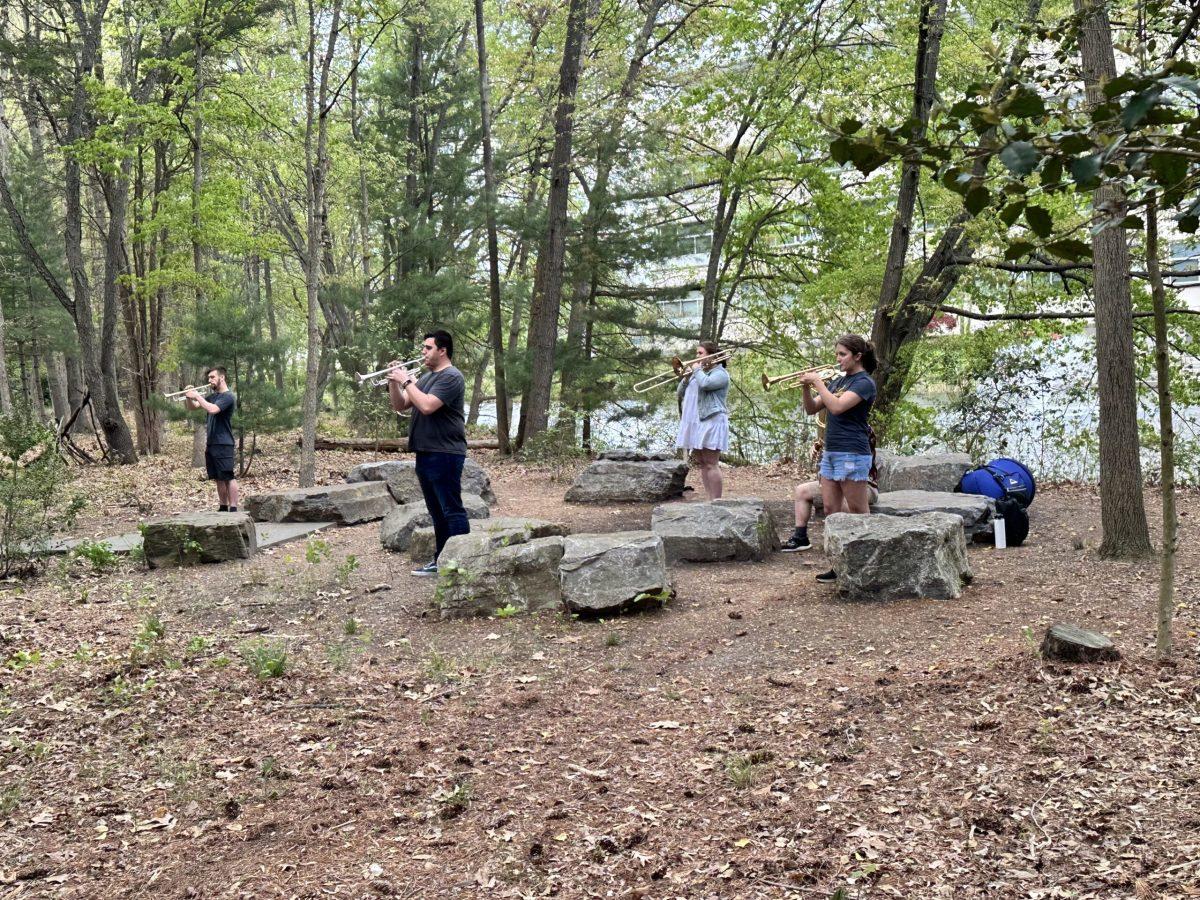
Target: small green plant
{"type": "Point", "coordinates": [220, 662]}
{"type": "Point", "coordinates": [454, 802]}
{"type": "Point", "coordinates": [439, 668]}
{"type": "Point", "coordinates": [197, 645]}
{"type": "Point", "coordinates": [101, 556]}
{"type": "Point", "coordinates": [352, 627]}
{"type": "Point", "coordinates": [346, 568]}
{"type": "Point", "coordinates": [269, 767]}
{"type": "Point", "coordinates": [1031, 643]}
{"type": "Point", "coordinates": [742, 768]}
{"type": "Point", "coordinates": [83, 653]}
{"type": "Point", "coordinates": [315, 550]}
{"type": "Point", "coordinates": [266, 660]}
{"type": "Point", "coordinates": [507, 611]}
{"type": "Point", "coordinates": [10, 799]}
{"type": "Point", "coordinates": [23, 659]}
{"type": "Point", "coordinates": [612, 639]}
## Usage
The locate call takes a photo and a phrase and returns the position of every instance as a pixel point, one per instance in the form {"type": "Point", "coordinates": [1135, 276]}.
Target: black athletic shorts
{"type": "Point", "coordinates": [219, 463]}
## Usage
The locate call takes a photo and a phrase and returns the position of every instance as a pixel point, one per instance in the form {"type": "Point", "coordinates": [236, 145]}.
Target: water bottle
{"type": "Point", "coordinates": [1001, 533]}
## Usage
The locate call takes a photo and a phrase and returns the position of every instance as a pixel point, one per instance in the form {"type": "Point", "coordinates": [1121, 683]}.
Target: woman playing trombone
{"type": "Point", "coordinates": [703, 416]}
{"type": "Point", "coordinates": [845, 468]}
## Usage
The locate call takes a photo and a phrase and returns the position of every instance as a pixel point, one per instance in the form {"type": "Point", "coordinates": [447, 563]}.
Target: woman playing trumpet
{"type": "Point", "coordinates": [846, 460]}
{"type": "Point", "coordinates": [703, 416]}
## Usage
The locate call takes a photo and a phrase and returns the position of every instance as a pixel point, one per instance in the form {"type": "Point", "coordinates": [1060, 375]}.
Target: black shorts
{"type": "Point", "coordinates": [219, 463]}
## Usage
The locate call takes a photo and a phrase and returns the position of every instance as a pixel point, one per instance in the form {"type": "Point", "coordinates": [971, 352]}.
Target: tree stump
{"type": "Point", "coordinates": [1069, 643]}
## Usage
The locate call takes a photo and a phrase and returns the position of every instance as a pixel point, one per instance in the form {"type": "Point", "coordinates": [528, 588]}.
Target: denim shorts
{"type": "Point", "coordinates": [837, 466]}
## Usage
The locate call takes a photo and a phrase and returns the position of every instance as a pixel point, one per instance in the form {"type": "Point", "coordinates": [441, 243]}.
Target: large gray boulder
{"type": "Point", "coordinates": [198, 538]}
{"type": "Point", "coordinates": [605, 574]}
{"type": "Point", "coordinates": [400, 475]}
{"type": "Point", "coordinates": [923, 472]}
{"type": "Point", "coordinates": [737, 528]}
{"type": "Point", "coordinates": [632, 455]}
{"type": "Point", "coordinates": [396, 529]}
{"type": "Point", "coordinates": [502, 528]}
{"type": "Point", "coordinates": [498, 568]}
{"type": "Point", "coordinates": [345, 504]}
{"type": "Point", "coordinates": [889, 557]}
{"type": "Point", "coordinates": [975, 510]}
{"type": "Point", "coordinates": [618, 481]}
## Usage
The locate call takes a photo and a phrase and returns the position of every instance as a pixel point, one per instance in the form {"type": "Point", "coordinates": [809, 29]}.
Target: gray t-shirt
{"type": "Point", "coordinates": [220, 424]}
{"type": "Point", "coordinates": [443, 431]}
{"type": "Point", "coordinates": [848, 433]}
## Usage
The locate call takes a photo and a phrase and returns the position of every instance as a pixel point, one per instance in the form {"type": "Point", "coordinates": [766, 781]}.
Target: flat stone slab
{"type": "Point", "coordinates": [633, 455]}
{"type": "Point", "coordinates": [1070, 643]}
{"type": "Point", "coordinates": [891, 557]}
{"type": "Point", "coordinates": [617, 481]}
{"type": "Point", "coordinates": [400, 475]}
{"type": "Point", "coordinates": [736, 528]}
{"type": "Point", "coordinates": [198, 538]}
{"type": "Point", "coordinates": [344, 504]}
{"type": "Point", "coordinates": [266, 534]}
{"type": "Point", "coordinates": [921, 472]}
{"type": "Point", "coordinates": [607, 574]}
{"type": "Point", "coordinates": [396, 529]}
{"type": "Point", "coordinates": [975, 510]}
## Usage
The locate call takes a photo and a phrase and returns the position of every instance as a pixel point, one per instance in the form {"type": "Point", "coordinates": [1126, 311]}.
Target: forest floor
{"type": "Point", "coordinates": [755, 738]}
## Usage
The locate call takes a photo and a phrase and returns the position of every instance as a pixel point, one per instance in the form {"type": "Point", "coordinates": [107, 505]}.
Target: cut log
{"type": "Point", "coordinates": [390, 445]}
{"type": "Point", "coordinates": [1069, 643]}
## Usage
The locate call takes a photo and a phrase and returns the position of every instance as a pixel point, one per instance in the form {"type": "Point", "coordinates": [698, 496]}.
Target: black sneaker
{"type": "Point", "coordinates": [796, 542]}
{"type": "Point", "coordinates": [827, 577]}
{"type": "Point", "coordinates": [429, 569]}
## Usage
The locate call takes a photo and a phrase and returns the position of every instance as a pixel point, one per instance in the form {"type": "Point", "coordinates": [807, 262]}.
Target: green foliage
{"type": "Point", "coordinates": [33, 481]}
{"type": "Point", "coordinates": [507, 611]}
{"type": "Point", "coordinates": [265, 660]}
{"type": "Point", "coordinates": [101, 556]}
{"type": "Point", "coordinates": [315, 550]}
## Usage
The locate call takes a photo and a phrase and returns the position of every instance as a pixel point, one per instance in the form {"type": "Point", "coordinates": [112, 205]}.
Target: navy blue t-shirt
{"type": "Point", "coordinates": [220, 424]}
{"type": "Point", "coordinates": [847, 433]}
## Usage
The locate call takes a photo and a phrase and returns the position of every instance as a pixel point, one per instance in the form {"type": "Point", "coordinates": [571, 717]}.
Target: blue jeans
{"type": "Point", "coordinates": [440, 475]}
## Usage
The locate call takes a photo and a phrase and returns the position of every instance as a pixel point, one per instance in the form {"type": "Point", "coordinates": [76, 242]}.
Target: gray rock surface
{"type": "Point", "coordinates": [1070, 643]}
{"type": "Point", "coordinates": [976, 511]}
{"type": "Point", "coordinates": [631, 455]}
{"type": "Point", "coordinates": [615, 481]}
{"type": "Point", "coordinates": [605, 574]}
{"type": "Point", "coordinates": [736, 528]}
{"type": "Point", "coordinates": [494, 568]}
{"type": "Point", "coordinates": [396, 529]}
{"type": "Point", "coordinates": [345, 504]}
{"type": "Point", "coordinates": [889, 557]}
{"type": "Point", "coordinates": [198, 538]}
{"type": "Point", "coordinates": [400, 475]}
{"type": "Point", "coordinates": [502, 529]}
{"type": "Point", "coordinates": [922, 472]}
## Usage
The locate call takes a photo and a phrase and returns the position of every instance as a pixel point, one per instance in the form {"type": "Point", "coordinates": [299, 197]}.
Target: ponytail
{"type": "Point", "coordinates": [857, 344]}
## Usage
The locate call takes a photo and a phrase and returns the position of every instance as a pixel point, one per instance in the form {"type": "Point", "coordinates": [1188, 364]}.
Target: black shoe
{"type": "Point", "coordinates": [796, 542]}
{"type": "Point", "coordinates": [827, 577]}
{"type": "Point", "coordinates": [426, 570]}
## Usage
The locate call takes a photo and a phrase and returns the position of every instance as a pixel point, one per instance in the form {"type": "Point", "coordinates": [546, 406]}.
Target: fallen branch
{"type": "Point", "coordinates": [391, 445]}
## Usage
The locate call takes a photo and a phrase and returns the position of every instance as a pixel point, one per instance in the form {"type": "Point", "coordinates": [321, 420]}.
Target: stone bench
{"type": "Point", "coordinates": [400, 475]}
{"type": "Point", "coordinates": [920, 472]}
{"type": "Point", "coordinates": [975, 510]}
{"type": "Point", "coordinates": [344, 504]}
{"type": "Point", "coordinates": [617, 572]}
{"type": "Point", "coordinates": [891, 557]}
{"type": "Point", "coordinates": [192, 538]}
{"type": "Point", "coordinates": [629, 481]}
{"type": "Point", "coordinates": [737, 528]}
{"type": "Point", "coordinates": [396, 529]}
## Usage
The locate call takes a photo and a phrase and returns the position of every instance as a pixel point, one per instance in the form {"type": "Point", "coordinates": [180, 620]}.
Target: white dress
{"type": "Point", "coordinates": [694, 434]}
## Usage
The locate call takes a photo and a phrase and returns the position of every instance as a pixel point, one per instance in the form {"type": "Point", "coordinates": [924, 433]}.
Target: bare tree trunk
{"type": "Point", "coordinates": [5, 389]}
{"type": "Point", "coordinates": [1166, 436]}
{"type": "Point", "coordinates": [496, 310]}
{"type": "Point", "coordinates": [272, 328]}
{"type": "Point", "coordinates": [543, 314]}
{"type": "Point", "coordinates": [477, 387]}
{"type": "Point", "coordinates": [199, 428]}
{"type": "Point", "coordinates": [1122, 506]}
{"type": "Point", "coordinates": [56, 376]}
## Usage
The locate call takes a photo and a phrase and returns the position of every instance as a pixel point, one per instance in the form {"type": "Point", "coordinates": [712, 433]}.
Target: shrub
{"type": "Point", "coordinates": [33, 478]}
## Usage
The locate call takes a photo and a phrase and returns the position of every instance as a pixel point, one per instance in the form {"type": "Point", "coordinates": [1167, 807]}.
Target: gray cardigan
{"type": "Point", "coordinates": [714, 387]}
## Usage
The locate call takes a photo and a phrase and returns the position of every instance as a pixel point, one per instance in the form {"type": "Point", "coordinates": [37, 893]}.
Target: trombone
{"type": "Point", "coordinates": [792, 379]}
{"type": "Point", "coordinates": [204, 390]}
{"type": "Point", "coordinates": [380, 378]}
{"type": "Point", "coordinates": [679, 369]}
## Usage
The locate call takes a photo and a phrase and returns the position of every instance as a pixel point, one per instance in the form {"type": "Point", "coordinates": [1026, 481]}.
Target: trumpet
{"type": "Point", "coordinates": [792, 379]}
{"type": "Point", "coordinates": [204, 390]}
{"type": "Point", "coordinates": [380, 378]}
{"type": "Point", "coordinates": [679, 369]}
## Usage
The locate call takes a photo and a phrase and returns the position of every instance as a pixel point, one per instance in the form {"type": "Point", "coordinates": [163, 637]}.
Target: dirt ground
{"type": "Point", "coordinates": [293, 726]}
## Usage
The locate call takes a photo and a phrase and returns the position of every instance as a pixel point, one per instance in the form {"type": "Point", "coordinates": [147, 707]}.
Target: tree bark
{"type": "Point", "coordinates": [1166, 436]}
{"type": "Point", "coordinates": [1122, 507]}
{"type": "Point", "coordinates": [6, 404]}
{"type": "Point", "coordinates": [496, 310]}
{"type": "Point", "coordinates": [56, 376]}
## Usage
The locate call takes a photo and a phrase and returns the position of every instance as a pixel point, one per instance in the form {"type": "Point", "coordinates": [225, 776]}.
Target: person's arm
{"type": "Point", "coordinates": [193, 397]}
{"type": "Point", "coordinates": [713, 379]}
{"type": "Point", "coordinates": [836, 403]}
{"type": "Point", "coordinates": [812, 405]}
{"type": "Point", "coordinates": [396, 395]}
{"type": "Point", "coordinates": [429, 403]}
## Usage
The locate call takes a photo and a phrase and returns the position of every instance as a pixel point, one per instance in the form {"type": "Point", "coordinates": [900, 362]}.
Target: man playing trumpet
{"type": "Point", "coordinates": [219, 403]}
{"type": "Point", "coordinates": [437, 435]}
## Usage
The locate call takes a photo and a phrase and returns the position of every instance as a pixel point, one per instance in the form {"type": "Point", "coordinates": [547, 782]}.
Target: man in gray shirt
{"type": "Point", "coordinates": [438, 436]}
{"type": "Point", "coordinates": [219, 445]}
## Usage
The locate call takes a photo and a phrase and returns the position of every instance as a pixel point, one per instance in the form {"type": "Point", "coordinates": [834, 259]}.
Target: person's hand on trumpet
{"type": "Point", "coordinates": [398, 373]}
{"type": "Point", "coordinates": [194, 395]}
{"type": "Point", "coordinates": [811, 379]}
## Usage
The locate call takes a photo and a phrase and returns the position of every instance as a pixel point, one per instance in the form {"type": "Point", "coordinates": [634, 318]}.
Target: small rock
{"type": "Point", "coordinates": [1070, 643]}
